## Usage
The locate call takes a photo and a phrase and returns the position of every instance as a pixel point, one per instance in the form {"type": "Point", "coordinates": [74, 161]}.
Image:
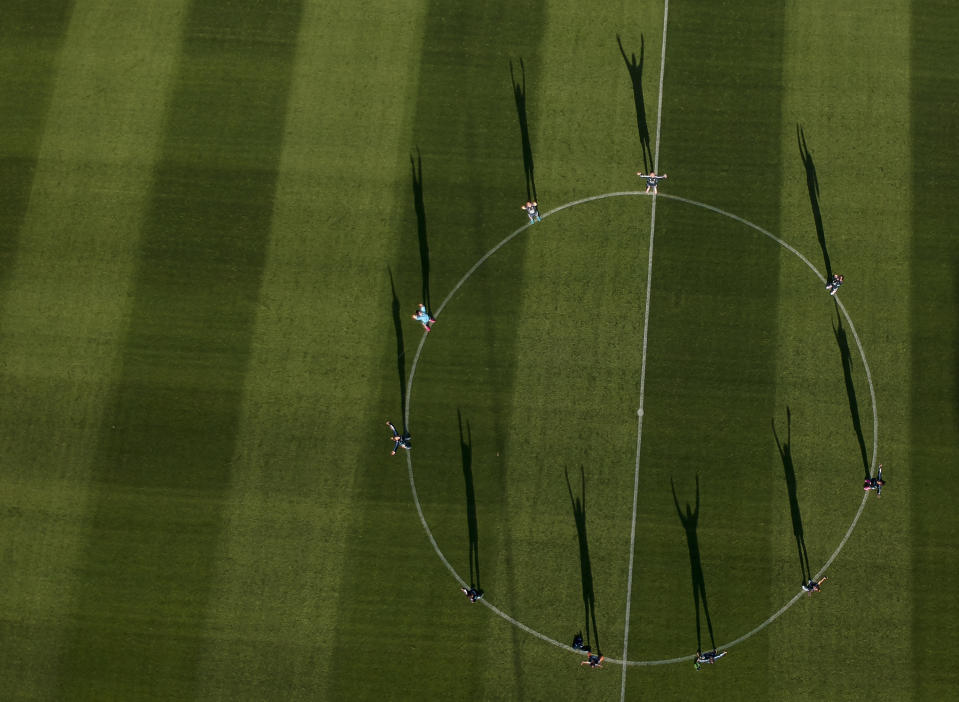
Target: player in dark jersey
{"type": "Point", "coordinates": [833, 285]}
{"type": "Point", "coordinates": [472, 594]}
{"type": "Point", "coordinates": [594, 660]}
{"type": "Point", "coordinates": [652, 180]}
{"type": "Point", "coordinates": [875, 482]}
{"type": "Point", "coordinates": [532, 210]}
{"type": "Point", "coordinates": [404, 439]}
{"type": "Point", "coordinates": [814, 585]}
{"type": "Point", "coordinates": [709, 657]}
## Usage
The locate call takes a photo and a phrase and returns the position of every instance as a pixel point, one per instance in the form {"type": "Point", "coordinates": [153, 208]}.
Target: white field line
{"type": "Point", "coordinates": [642, 375]}
{"type": "Point", "coordinates": [633, 193]}
{"type": "Point", "coordinates": [662, 72]}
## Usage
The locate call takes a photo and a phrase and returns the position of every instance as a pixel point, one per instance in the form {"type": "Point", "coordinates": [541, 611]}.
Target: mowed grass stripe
{"type": "Point", "coordinates": [30, 39]}
{"type": "Point", "coordinates": [712, 361]}
{"type": "Point", "coordinates": [847, 79]}
{"type": "Point", "coordinates": [934, 340]}
{"type": "Point", "coordinates": [63, 310]}
{"type": "Point", "coordinates": [579, 336]}
{"type": "Point", "coordinates": [163, 461]}
{"type": "Point", "coordinates": [466, 135]}
{"type": "Point", "coordinates": [310, 424]}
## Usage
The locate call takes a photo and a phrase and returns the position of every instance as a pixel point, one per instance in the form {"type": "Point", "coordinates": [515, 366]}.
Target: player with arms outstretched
{"type": "Point", "coordinates": [874, 483]}
{"type": "Point", "coordinates": [423, 317]}
{"type": "Point", "coordinates": [652, 180]}
{"type": "Point", "coordinates": [532, 211]}
{"type": "Point", "coordinates": [404, 439]}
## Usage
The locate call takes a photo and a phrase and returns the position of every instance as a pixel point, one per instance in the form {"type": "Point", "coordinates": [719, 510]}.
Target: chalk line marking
{"type": "Point", "coordinates": [641, 412]}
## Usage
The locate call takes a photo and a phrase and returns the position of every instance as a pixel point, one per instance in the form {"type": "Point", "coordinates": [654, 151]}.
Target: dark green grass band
{"type": "Point", "coordinates": [934, 320]}
{"type": "Point", "coordinates": [712, 360]}
{"type": "Point", "coordinates": [31, 34]}
{"type": "Point", "coordinates": [468, 158]}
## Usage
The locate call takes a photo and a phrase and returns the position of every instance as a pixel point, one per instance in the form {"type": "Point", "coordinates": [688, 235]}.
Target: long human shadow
{"type": "Point", "coordinates": [636, 77]}
{"type": "Point", "coordinates": [840, 333]}
{"type": "Point", "coordinates": [519, 95]}
{"type": "Point", "coordinates": [585, 567]}
{"type": "Point", "coordinates": [690, 521]}
{"type": "Point", "coordinates": [416, 169]}
{"type": "Point", "coordinates": [789, 472]}
{"type": "Point", "coordinates": [812, 184]}
{"type": "Point", "coordinates": [400, 348]}
{"type": "Point", "coordinates": [466, 452]}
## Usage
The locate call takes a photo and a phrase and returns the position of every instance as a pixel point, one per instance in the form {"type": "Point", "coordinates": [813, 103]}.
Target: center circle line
{"type": "Point", "coordinates": [603, 196]}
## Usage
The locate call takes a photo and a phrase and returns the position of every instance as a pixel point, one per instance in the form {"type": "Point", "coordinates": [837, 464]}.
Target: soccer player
{"type": "Point", "coordinates": [875, 483]}
{"type": "Point", "coordinates": [833, 286]}
{"type": "Point", "coordinates": [423, 317]}
{"type": "Point", "coordinates": [578, 642]}
{"type": "Point", "coordinates": [594, 660]}
{"type": "Point", "coordinates": [708, 657]}
{"type": "Point", "coordinates": [652, 180]}
{"type": "Point", "coordinates": [532, 209]}
{"type": "Point", "coordinates": [814, 585]}
{"type": "Point", "coordinates": [404, 439]}
{"type": "Point", "coordinates": [472, 594]}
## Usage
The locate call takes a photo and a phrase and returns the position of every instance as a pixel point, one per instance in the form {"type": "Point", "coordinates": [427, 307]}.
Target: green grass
{"type": "Point", "coordinates": [205, 206]}
{"type": "Point", "coordinates": [933, 400]}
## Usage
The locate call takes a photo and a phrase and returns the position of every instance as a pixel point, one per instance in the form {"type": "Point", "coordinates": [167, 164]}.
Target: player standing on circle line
{"type": "Point", "coordinates": [532, 210]}
{"type": "Point", "coordinates": [832, 287]}
{"type": "Point", "coordinates": [404, 439]}
{"type": "Point", "coordinates": [875, 483]}
{"type": "Point", "coordinates": [708, 657]}
{"type": "Point", "coordinates": [652, 180]}
{"type": "Point", "coordinates": [472, 594]}
{"type": "Point", "coordinates": [423, 317]}
{"type": "Point", "coordinates": [814, 585]}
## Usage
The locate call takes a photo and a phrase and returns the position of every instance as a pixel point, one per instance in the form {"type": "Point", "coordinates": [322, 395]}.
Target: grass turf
{"type": "Point", "coordinates": [207, 205]}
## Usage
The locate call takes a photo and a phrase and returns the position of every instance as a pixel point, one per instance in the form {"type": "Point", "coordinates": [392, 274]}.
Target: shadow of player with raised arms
{"type": "Point", "coordinates": [789, 472]}
{"type": "Point", "coordinates": [636, 78]}
{"type": "Point", "coordinates": [400, 348]}
{"type": "Point", "coordinates": [466, 452]}
{"type": "Point", "coordinates": [812, 185]}
{"type": "Point", "coordinates": [519, 95]}
{"type": "Point", "coordinates": [416, 169]}
{"type": "Point", "coordinates": [690, 522]}
{"type": "Point", "coordinates": [586, 569]}
{"type": "Point", "coordinates": [846, 356]}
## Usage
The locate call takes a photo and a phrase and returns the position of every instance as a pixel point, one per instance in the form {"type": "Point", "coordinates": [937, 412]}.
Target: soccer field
{"type": "Point", "coordinates": [642, 418]}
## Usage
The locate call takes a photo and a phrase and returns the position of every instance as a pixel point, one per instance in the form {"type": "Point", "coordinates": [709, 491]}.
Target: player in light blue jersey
{"type": "Point", "coordinates": [423, 317]}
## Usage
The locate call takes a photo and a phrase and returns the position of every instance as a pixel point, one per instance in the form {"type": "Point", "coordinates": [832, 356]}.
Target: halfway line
{"type": "Point", "coordinates": [642, 375]}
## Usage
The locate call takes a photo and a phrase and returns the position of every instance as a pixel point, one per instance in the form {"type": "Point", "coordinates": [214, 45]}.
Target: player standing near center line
{"type": "Point", "coordinates": [814, 585]}
{"type": "Point", "coordinates": [652, 180]}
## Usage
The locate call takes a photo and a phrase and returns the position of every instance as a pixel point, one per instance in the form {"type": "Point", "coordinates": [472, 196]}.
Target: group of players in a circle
{"type": "Point", "coordinates": [404, 440]}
